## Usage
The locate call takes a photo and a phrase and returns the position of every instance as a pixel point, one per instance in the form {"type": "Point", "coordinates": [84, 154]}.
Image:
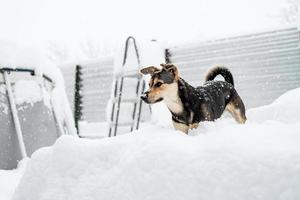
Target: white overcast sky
{"type": "Point", "coordinates": [38, 21]}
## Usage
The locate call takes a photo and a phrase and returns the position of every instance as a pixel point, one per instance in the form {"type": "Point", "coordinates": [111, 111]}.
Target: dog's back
{"type": "Point", "coordinates": [219, 93]}
{"type": "Point", "coordinates": [223, 94]}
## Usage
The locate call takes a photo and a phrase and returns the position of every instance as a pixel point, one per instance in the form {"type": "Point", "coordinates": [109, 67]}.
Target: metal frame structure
{"type": "Point", "coordinates": [118, 88]}
{"type": "Point", "coordinates": [6, 71]}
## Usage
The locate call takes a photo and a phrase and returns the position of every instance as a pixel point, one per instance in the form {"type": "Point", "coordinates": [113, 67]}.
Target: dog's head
{"type": "Point", "coordinates": [163, 82]}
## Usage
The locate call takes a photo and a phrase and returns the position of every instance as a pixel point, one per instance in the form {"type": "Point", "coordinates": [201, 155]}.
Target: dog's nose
{"type": "Point", "coordinates": [144, 96]}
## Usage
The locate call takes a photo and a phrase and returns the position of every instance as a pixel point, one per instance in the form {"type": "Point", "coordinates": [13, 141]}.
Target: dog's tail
{"type": "Point", "coordinates": [219, 70]}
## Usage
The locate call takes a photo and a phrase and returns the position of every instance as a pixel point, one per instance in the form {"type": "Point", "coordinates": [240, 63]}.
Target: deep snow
{"type": "Point", "coordinates": [9, 179]}
{"type": "Point", "coordinates": [223, 160]}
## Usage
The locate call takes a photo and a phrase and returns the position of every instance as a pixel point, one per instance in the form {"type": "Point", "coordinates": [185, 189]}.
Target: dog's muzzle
{"type": "Point", "coordinates": [144, 97]}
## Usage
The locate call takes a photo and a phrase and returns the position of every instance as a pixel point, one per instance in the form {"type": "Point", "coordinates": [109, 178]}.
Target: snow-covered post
{"type": "Point", "coordinates": [77, 96]}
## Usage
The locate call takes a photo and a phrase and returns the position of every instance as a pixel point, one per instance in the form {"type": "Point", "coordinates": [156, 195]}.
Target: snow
{"type": "Point", "coordinates": [219, 160]}
{"type": "Point", "coordinates": [9, 180]}
{"type": "Point", "coordinates": [16, 55]}
{"type": "Point", "coordinates": [31, 94]}
{"type": "Point", "coordinates": [13, 55]}
{"type": "Point", "coordinates": [280, 110]}
{"type": "Point", "coordinates": [93, 129]}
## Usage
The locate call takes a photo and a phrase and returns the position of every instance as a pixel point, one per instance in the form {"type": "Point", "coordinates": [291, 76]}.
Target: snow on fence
{"type": "Point", "coordinates": [264, 65]}
{"type": "Point", "coordinates": [89, 96]}
{"type": "Point", "coordinates": [96, 86]}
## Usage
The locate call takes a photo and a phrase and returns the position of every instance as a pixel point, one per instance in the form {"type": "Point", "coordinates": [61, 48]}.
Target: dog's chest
{"type": "Point", "coordinates": [174, 104]}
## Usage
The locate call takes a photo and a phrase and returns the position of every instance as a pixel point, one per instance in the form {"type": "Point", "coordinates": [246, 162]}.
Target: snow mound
{"type": "Point", "coordinates": [9, 179]}
{"type": "Point", "coordinates": [224, 160]}
{"type": "Point", "coordinates": [284, 109]}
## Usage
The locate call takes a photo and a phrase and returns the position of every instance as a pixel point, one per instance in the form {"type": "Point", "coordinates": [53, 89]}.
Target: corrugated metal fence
{"type": "Point", "coordinates": [264, 65]}
{"type": "Point", "coordinates": [96, 87]}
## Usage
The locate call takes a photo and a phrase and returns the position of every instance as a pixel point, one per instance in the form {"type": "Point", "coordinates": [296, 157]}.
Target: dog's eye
{"type": "Point", "coordinates": [158, 84]}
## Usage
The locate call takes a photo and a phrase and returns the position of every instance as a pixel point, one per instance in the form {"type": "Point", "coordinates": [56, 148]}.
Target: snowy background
{"type": "Point", "coordinates": [79, 29]}
{"type": "Point", "coordinates": [219, 160]}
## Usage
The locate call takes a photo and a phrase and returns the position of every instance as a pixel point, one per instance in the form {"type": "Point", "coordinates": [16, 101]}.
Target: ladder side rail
{"type": "Point", "coordinates": [118, 105]}
{"type": "Point", "coordinates": [134, 117]}
{"type": "Point", "coordinates": [135, 105]}
{"type": "Point", "coordinates": [113, 109]}
{"type": "Point", "coordinates": [140, 107]}
{"type": "Point", "coordinates": [126, 51]}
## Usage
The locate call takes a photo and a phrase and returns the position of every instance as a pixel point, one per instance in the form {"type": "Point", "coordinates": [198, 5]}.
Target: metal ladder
{"type": "Point", "coordinates": [118, 89]}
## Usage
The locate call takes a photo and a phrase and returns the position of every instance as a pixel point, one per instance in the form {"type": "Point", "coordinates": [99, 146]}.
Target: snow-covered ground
{"type": "Point", "coordinates": [9, 179]}
{"type": "Point", "coordinates": [221, 160]}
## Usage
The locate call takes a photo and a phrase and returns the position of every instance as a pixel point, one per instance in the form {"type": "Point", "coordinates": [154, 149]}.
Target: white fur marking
{"type": "Point", "coordinates": [172, 99]}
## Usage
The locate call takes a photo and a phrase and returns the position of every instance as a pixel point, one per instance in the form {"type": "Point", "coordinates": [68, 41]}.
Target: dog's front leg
{"type": "Point", "coordinates": [181, 127]}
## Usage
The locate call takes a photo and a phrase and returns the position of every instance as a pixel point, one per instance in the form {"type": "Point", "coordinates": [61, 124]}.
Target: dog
{"type": "Point", "coordinates": [191, 105]}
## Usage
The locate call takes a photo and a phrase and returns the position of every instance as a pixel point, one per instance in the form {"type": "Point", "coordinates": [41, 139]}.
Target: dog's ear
{"type": "Point", "coordinates": [149, 70]}
{"type": "Point", "coordinates": [171, 68]}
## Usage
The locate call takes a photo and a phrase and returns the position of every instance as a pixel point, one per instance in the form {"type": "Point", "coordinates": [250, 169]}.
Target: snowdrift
{"type": "Point", "coordinates": [222, 160]}
{"type": "Point", "coordinates": [9, 179]}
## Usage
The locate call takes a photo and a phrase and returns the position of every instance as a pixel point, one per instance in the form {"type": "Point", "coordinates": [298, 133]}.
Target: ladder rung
{"type": "Point", "coordinates": [122, 124]}
{"type": "Point", "coordinates": [132, 75]}
{"type": "Point", "coordinates": [127, 100]}
{"type": "Point", "coordinates": [129, 74]}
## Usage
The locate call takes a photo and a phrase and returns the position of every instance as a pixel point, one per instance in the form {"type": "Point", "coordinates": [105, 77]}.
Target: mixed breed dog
{"type": "Point", "coordinates": [191, 105]}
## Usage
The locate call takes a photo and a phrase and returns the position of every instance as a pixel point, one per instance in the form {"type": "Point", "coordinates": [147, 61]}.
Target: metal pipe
{"type": "Point", "coordinates": [15, 115]}
{"type": "Point", "coordinates": [54, 108]}
{"type": "Point", "coordinates": [31, 71]}
{"type": "Point", "coordinates": [56, 118]}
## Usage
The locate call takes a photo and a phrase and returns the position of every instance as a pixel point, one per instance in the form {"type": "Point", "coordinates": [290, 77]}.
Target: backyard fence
{"type": "Point", "coordinates": [88, 95]}
{"type": "Point", "coordinates": [264, 65]}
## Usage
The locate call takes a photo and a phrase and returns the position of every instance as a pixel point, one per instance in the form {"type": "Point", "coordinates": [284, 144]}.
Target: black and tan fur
{"type": "Point", "coordinates": [190, 105]}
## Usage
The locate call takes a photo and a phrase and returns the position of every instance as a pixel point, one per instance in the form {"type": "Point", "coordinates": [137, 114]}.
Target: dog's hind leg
{"type": "Point", "coordinates": [236, 108]}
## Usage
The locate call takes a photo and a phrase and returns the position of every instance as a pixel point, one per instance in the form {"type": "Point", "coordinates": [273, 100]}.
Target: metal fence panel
{"type": "Point", "coordinates": [264, 65]}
